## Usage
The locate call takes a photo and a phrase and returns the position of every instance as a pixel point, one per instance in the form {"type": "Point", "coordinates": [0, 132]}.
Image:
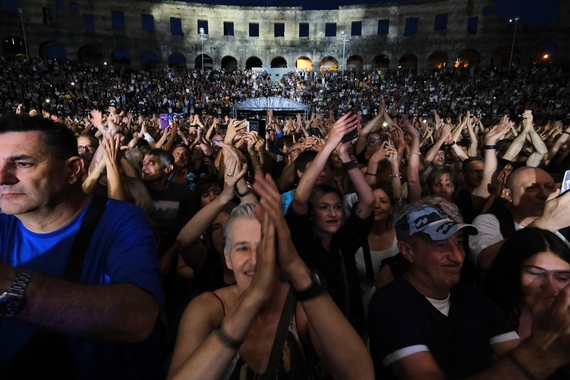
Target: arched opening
{"type": "Point", "coordinates": [355, 62]}
{"type": "Point", "coordinates": [121, 57]}
{"type": "Point", "coordinates": [208, 62]}
{"type": "Point", "coordinates": [328, 63]}
{"type": "Point", "coordinates": [149, 59]}
{"type": "Point", "coordinates": [279, 62]}
{"type": "Point", "coordinates": [304, 63]}
{"type": "Point", "coordinates": [90, 54]}
{"type": "Point", "coordinates": [544, 53]}
{"type": "Point", "coordinates": [381, 62]}
{"type": "Point", "coordinates": [437, 61]}
{"type": "Point", "coordinates": [229, 63]}
{"type": "Point", "coordinates": [53, 50]}
{"type": "Point", "coordinates": [408, 64]}
{"type": "Point", "coordinates": [253, 62]}
{"type": "Point", "coordinates": [468, 58]}
{"type": "Point", "coordinates": [502, 56]}
{"type": "Point", "coordinates": [13, 47]}
{"type": "Point", "coordinates": [177, 60]}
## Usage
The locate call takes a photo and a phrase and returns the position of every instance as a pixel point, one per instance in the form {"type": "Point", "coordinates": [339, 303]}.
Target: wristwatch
{"type": "Point", "coordinates": [317, 287]}
{"type": "Point", "coordinates": [12, 301]}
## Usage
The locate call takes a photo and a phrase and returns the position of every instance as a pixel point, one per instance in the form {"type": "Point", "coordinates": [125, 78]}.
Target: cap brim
{"type": "Point", "coordinates": [444, 229]}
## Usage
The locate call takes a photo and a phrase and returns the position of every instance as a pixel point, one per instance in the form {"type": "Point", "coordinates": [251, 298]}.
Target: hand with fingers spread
{"type": "Point", "coordinates": [341, 127]}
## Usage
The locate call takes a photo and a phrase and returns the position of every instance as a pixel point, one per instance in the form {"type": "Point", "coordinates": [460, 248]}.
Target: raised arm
{"type": "Point", "coordinates": [363, 190]}
{"type": "Point", "coordinates": [343, 125]}
{"type": "Point", "coordinates": [336, 342]}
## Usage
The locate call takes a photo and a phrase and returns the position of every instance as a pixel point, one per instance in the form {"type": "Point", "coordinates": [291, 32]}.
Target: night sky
{"type": "Point", "coordinates": [531, 12]}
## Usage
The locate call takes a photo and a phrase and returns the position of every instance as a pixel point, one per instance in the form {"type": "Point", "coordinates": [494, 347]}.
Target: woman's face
{"type": "Point", "coordinates": [218, 227]}
{"type": "Point", "coordinates": [242, 255]}
{"type": "Point", "coordinates": [209, 195]}
{"type": "Point", "coordinates": [327, 214]}
{"type": "Point", "coordinates": [543, 272]}
{"type": "Point", "coordinates": [443, 187]}
{"type": "Point", "coordinates": [382, 205]}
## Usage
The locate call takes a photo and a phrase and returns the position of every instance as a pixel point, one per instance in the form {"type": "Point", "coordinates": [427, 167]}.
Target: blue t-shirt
{"type": "Point", "coordinates": [122, 251]}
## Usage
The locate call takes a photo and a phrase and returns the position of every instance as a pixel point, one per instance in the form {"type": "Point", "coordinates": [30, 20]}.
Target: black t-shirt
{"type": "Point", "coordinates": [400, 317]}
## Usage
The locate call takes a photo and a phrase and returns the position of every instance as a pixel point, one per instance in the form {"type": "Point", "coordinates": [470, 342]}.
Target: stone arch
{"type": "Point", "coordinates": [544, 52]}
{"type": "Point", "coordinates": [502, 56]}
{"type": "Point", "coordinates": [53, 50]}
{"type": "Point", "coordinates": [89, 54]}
{"type": "Point", "coordinates": [229, 63]}
{"type": "Point", "coordinates": [328, 63]}
{"type": "Point", "coordinates": [355, 62]}
{"type": "Point", "coordinates": [13, 46]}
{"type": "Point", "coordinates": [408, 64]}
{"type": "Point", "coordinates": [381, 62]}
{"type": "Point", "coordinates": [121, 57]}
{"type": "Point", "coordinates": [304, 63]}
{"type": "Point", "coordinates": [208, 62]}
{"type": "Point", "coordinates": [468, 58]}
{"type": "Point", "coordinates": [149, 59]}
{"type": "Point", "coordinates": [437, 60]}
{"type": "Point", "coordinates": [176, 60]}
{"type": "Point", "coordinates": [253, 62]}
{"type": "Point", "coordinates": [279, 62]}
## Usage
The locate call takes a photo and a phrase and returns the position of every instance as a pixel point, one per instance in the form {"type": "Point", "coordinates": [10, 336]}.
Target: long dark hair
{"type": "Point", "coordinates": [502, 283]}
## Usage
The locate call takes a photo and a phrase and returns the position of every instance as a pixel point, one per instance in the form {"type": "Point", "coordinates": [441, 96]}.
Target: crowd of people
{"type": "Point", "coordinates": [407, 227]}
{"type": "Point", "coordinates": [72, 89]}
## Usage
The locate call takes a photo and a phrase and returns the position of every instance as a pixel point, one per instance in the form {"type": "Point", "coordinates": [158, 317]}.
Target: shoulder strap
{"type": "Point", "coordinates": [83, 238]}
{"type": "Point", "coordinates": [280, 335]}
{"type": "Point", "coordinates": [367, 260]}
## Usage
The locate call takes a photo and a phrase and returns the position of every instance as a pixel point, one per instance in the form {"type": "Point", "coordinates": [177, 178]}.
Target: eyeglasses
{"type": "Point", "coordinates": [538, 272]}
{"type": "Point", "coordinates": [85, 147]}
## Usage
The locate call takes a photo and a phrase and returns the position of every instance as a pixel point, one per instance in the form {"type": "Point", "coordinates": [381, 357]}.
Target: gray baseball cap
{"type": "Point", "coordinates": [431, 222]}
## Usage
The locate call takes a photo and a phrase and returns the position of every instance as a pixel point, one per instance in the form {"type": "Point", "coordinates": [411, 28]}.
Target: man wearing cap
{"type": "Point", "coordinates": [428, 324]}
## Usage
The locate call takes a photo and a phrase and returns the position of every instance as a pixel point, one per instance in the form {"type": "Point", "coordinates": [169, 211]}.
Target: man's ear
{"type": "Point", "coordinates": [299, 173]}
{"type": "Point", "coordinates": [406, 250]}
{"type": "Point", "coordinates": [169, 168]}
{"type": "Point", "coordinates": [75, 166]}
{"type": "Point", "coordinates": [506, 194]}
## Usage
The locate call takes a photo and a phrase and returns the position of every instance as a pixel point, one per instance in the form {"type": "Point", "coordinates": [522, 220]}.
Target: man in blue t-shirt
{"type": "Point", "coordinates": [108, 320]}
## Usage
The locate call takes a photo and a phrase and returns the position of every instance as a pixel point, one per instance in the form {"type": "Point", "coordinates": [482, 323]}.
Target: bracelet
{"type": "Point", "coordinates": [370, 174]}
{"type": "Point", "coordinates": [349, 165]}
{"type": "Point", "coordinates": [396, 175]}
{"type": "Point", "coordinates": [248, 191]}
{"type": "Point", "coordinates": [226, 340]}
{"type": "Point", "coordinates": [568, 133]}
{"type": "Point", "coordinates": [418, 153]}
{"type": "Point", "coordinates": [317, 287]}
{"type": "Point", "coordinates": [489, 147]}
{"type": "Point", "coordinates": [257, 168]}
{"type": "Point", "coordinates": [519, 365]}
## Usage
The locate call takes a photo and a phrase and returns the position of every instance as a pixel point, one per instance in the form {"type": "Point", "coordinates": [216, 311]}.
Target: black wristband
{"type": "Point", "coordinates": [226, 340]}
{"type": "Point", "coordinates": [349, 165]}
{"type": "Point", "coordinates": [489, 147]}
{"type": "Point", "coordinates": [568, 133]}
{"type": "Point", "coordinates": [317, 287]}
{"type": "Point", "coordinates": [370, 174]}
